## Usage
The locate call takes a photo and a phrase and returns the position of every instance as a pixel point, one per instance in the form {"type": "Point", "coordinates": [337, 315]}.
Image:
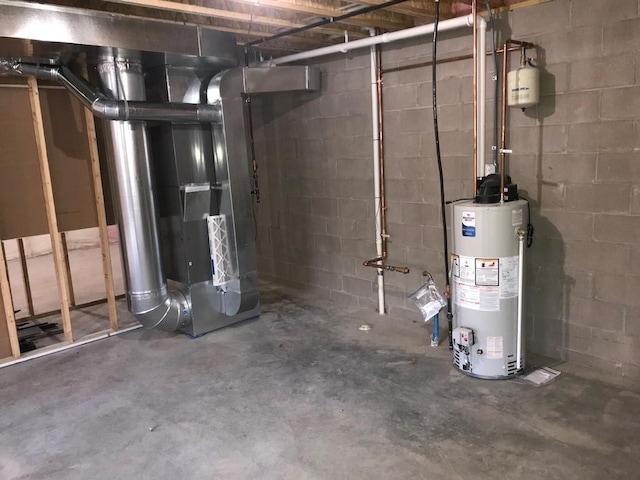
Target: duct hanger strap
{"type": "Point", "coordinates": [109, 109]}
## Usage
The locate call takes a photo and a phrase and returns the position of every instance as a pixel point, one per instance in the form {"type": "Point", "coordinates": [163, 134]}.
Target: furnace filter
{"type": "Point", "coordinates": [484, 287]}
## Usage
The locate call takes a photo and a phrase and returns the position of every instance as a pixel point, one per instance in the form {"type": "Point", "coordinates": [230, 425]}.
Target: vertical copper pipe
{"type": "Point", "coordinates": [383, 198]}
{"type": "Point", "coordinates": [474, 12]}
{"type": "Point", "coordinates": [25, 277]}
{"type": "Point", "coordinates": [503, 120]}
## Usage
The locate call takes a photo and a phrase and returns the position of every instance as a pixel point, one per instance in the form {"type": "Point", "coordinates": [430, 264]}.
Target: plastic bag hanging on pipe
{"type": "Point", "coordinates": [428, 300]}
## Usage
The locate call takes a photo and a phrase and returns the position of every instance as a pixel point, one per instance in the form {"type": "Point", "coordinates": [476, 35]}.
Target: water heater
{"type": "Point", "coordinates": [486, 287]}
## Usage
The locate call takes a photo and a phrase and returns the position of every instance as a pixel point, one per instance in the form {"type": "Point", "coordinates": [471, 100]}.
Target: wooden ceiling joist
{"type": "Point", "coordinates": [191, 9]}
{"type": "Point", "coordinates": [247, 18]}
{"type": "Point", "coordinates": [380, 19]}
{"type": "Point", "coordinates": [413, 8]}
{"type": "Point", "coordinates": [261, 19]}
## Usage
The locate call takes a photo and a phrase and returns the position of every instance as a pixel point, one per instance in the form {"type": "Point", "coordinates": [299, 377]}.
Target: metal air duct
{"type": "Point", "coordinates": [181, 182]}
{"type": "Point", "coordinates": [149, 298]}
{"type": "Point", "coordinates": [111, 109]}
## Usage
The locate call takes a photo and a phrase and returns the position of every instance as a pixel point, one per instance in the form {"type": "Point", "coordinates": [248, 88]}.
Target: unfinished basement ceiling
{"type": "Point", "coordinates": [255, 20]}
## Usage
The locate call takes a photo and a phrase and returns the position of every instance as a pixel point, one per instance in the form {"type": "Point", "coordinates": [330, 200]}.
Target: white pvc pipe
{"type": "Point", "coordinates": [375, 127]}
{"type": "Point", "coordinates": [62, 348]}
{"type": "Point", "coordinates": [520, 300]}
{"type": "Point", "coordinates": [482, 94]}
{"type": "Point", "coordinates": [451, 24]}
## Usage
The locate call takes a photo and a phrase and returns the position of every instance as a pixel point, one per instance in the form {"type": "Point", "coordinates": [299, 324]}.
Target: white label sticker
{"type": "Point", "coordinates": [468, 224]}
{"type": "Point", "coordinates": [467, 296]}
{"type": "Point", "coordinates": [455, 264]}
{"type": "Point", "coordinates": [494, 347]}
{"type": "Point", "coordinates": [489, 299]}
{"type": "Point", "coordinates": [466, 268]}
{"type": "Point", "coordinates": [476, 298]}
{"type": "Point", "coordinates": [487, 272]}
{"type": "Point", "coordinates": [508, 277]}
{"type": "Point", "coordinates": [516, 217]}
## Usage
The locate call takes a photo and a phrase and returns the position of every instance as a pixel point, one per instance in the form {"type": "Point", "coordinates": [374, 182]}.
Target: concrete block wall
{"type": "Point", "coordinates": [576, 157]}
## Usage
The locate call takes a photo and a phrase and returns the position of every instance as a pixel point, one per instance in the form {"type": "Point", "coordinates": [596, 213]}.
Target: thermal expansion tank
{"type": "Point", "coordinates": [484, 281]}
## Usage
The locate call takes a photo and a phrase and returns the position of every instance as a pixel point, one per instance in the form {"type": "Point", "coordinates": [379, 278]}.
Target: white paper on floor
{"type": "Point", "coordinates": [541, 376]}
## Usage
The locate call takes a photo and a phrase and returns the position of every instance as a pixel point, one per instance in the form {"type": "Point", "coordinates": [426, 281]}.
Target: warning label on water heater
{"type": "Point", "coordinates": [508, 277]}
{"type": "Point", "coordinates": [463, 267]}
{"type": "Point", "coordinates": [468, 224]}
{"type": "Point", "coordinates": [468, 295]}
{"type": "Point", "coordinates": [488, 272]}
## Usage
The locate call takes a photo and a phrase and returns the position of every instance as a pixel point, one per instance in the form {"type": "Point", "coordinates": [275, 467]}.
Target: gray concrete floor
{"type": "Point", "coordinates": [301, 393]}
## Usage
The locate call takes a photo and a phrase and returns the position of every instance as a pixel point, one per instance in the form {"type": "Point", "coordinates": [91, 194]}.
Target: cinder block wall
{"type": "Point", "coordinates": [576, 157]}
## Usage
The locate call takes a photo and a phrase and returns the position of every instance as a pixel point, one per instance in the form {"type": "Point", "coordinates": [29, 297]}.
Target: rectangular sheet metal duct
{"type": "Point", "coordinates": [48, 23]}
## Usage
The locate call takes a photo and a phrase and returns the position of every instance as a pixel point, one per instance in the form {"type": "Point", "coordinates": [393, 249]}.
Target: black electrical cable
{"type": "Point", "coordinates": [530, 228]}
{"type": "Point", "coordinates": [443, 208]}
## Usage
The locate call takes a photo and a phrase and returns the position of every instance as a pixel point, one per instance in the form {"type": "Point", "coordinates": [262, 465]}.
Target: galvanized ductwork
{"type": "Point", "coordinates": [107, 108]}
{"type": "Point", "coordinates": [179, 164]}
{"type": "Point", "coordinates": [149, 298]}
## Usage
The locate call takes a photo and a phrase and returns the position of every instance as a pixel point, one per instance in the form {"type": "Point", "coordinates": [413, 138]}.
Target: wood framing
{"type": "Point", "coordinates": [52, 221]}
{"type": "Point", "coordinates": [380, 19]}
{"type": "Point", "coordinates": [243, 17]}
{"type": "Point", "coordinates": [101, 215]}
{"type": "Point", "coordinates": [7, 307]}
{"type": "Point", "coordinates": [210, 12]}
{"type": "Point", "coordinates": [4, 256]}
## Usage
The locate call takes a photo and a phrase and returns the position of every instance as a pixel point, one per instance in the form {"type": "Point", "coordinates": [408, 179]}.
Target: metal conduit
{"type": "Point", "coordinates": [113, 109]}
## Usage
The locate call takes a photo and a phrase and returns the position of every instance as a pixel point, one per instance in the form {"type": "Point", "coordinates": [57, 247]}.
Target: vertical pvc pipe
{"type": "Point", "coordinates": [482, 94]}
{"type": "Point", "coordinates": [375, 111]}
{"type": "Point", "coordinates": [474, 16]}
{"type": "Point", "coordinates": [521, 236]}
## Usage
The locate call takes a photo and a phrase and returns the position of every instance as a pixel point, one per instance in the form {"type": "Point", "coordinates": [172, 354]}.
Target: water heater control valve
{"type": "Point", "coordinates": [463, 339]}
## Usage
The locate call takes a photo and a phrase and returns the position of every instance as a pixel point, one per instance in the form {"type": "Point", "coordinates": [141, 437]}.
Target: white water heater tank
{"type": "Point", "coordinates": [523, 87]}
{"type": "Point", "coordinates": [485, 285]}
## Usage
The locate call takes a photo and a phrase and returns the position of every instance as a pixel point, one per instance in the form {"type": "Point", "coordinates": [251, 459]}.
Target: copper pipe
{"type": "Point", "coordinates": [383, 198]}
{"type": "Point", "coordinates": [474, 12]}
{"type": "Point", "coordinates": [378, 263]}
{"type": "Point", "coordinates": [503, 120]}
{"type": "Point", "coordinates": [456, 58]}
{"type": "Point", "coordinates": [509, 49]}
